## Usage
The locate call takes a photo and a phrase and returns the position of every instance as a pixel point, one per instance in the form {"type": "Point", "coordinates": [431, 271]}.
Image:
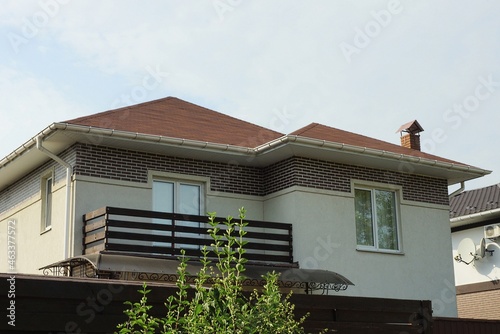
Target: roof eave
{"type": "Point", "coordinates": [475, 217]}
{"type": "Point", "coordinates": [270, 152]}
{"type": "Point", "coordinates": [404, 163]}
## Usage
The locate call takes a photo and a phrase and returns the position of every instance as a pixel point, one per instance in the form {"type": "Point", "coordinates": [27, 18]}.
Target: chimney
{"type": "Point", "coordinates": [410, 135]}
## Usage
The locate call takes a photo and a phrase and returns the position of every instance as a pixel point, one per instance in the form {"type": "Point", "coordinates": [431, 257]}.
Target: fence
{"type": "Point", "coordinates": [71, 305]}
{"type": "Point", "coordinates": [465, 326]}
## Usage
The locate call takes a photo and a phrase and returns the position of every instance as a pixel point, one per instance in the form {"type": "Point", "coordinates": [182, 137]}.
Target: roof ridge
{"type": "Point", "coordinates": [111, 111]}
{"type": "Point", "coordinates": [303, 129]}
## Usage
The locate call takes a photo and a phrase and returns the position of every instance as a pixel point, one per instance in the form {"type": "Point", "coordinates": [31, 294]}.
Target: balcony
{"type": "Point", "coordinates": [133, 245]}
{"type": "Point", "coordinates": [162, 234]}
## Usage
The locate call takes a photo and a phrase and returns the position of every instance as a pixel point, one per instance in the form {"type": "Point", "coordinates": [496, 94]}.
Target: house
{"type": "Point", "coordinates": [475, 226]}
{"type": "Point", "coordinates": [374, 212]}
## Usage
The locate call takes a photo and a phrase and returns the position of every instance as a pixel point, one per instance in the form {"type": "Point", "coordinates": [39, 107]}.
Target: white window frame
{"type": "Point", "coordinates": [177, 179]}
{"type": "Point", "coordinates": [177, 185]}
{"type": "Point", "coordinates": [372, 187]}
{"type": "Point", "coordinates": [47, 194]}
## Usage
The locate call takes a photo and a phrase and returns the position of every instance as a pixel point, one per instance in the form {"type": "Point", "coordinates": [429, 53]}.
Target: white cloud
{"type": "Point", "coordinates": [27, 105]}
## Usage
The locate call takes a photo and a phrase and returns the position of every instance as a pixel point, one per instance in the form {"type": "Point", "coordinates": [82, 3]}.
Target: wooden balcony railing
{"type": "Point", "coordinates": [165, 234]}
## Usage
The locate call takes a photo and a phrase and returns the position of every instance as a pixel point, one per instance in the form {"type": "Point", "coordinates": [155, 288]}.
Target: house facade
{"type": "Point", "coordinates": [475, 226]}
{"type": "Point", "coordinates": [375, 212]}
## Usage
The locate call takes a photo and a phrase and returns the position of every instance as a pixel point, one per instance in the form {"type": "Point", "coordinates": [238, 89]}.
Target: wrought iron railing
{"type": "Point", "coordinates": [112, 229]}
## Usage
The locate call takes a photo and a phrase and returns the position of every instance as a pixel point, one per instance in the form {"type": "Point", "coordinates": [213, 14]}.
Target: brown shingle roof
{"type": "Point", "coordinates": [173, 117]}
{"type": "Point", "coordinates": [323, 132]}
{"type": "Point", "coordinates": [474, 201]}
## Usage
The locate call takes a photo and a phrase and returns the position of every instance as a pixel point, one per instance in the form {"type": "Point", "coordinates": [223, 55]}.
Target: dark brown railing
{"type": "Point", "coordinates": [165, 234]}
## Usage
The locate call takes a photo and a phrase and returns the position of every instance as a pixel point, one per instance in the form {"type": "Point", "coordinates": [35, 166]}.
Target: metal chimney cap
{"type": "Point", "coordinates": [412, 127]}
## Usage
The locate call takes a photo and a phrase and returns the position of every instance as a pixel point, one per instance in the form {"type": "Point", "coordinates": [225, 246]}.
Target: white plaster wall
{"type": "Point", "coordinates": [324, 237]}
{"type": "Point", "coordinates": [94, 193]}
{"type": "Point", "coordinates": [34, 249]}
{"type": "Point", "coordinates": [225, 204]}
{"type": "Point", "coordinates": [483, 270]}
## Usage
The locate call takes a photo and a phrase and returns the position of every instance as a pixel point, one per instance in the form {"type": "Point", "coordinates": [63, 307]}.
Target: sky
{"type": "Point", "coordinates": [363, 66]}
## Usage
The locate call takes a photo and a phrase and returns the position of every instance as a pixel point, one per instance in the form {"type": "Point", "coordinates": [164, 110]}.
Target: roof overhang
{"type": "Point", "coordinates": [166, 269]}
{"type": "Point", "coordinates": [59, 136]}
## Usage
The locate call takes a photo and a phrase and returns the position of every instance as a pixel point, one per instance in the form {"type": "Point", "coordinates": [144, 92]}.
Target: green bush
{"type": "Point", "coordinates": [218, 305]}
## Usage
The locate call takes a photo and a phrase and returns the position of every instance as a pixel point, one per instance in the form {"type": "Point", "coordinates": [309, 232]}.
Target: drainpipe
{"type": "Point", "coordinates": [458, 191]}
{"type": "Point", "coordinates": [69, 173]}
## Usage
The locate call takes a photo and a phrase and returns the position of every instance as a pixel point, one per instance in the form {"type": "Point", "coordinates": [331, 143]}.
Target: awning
{"type": "Point", "coordinates": [134, 267]}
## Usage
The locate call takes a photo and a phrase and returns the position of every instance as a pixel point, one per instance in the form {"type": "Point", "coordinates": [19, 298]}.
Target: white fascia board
{"type": "Point", "coordinates": [270, 152]}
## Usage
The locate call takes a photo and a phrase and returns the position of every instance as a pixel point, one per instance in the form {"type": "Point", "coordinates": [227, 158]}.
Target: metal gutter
{"type": "Point", "coordinates": [269, 146]}
{"type": "Point", "coordinates": [368, 151]}
{"type": "Point", "coordinates": [462, 220]}
{"type": "Point", "coordinates": [151, 138]}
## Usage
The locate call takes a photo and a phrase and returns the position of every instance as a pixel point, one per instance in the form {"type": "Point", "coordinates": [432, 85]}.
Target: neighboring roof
{"type": "Point", "coordinates": [176, 118]}
{"type": "Point", "coordinates": [323, 132]}
{"type": "Point", "coordinates": [475, 201]}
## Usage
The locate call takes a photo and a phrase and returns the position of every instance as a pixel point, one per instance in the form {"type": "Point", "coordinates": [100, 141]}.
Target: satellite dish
{"type": "Point", "coordinates": [482, 248]}
{"type": "Point", "coordinates": [466, 251]}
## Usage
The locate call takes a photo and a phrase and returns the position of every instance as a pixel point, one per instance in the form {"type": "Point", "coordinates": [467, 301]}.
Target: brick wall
{"type": "Point", "coordinates": [479, 305]}
{"type": "Point", "coordinates": [227, 177]}
{"type": "Point", "coordinates": [117, 164]}
{"type": "Point", "coordinates": [133, 166]}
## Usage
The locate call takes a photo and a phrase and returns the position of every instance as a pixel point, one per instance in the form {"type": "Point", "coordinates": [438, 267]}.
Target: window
{"type": "Point", "coordinates": [46, 188]}
{"type": "Point", "coordinates": [376, 219]}
{"type": "Point", "coordinates": [178, 197]}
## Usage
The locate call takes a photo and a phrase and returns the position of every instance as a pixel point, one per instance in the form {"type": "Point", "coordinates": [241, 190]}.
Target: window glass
{"type": "Point", "coordinates": [46, 203]}
{"type": "Point", "coordinates": [376, 219]}
{"type": "Point", "coordinates": [364, 224]}
{"type": "Point", "coordinates": [386, 219]}
{"type": "Point", "coordinates": [177, 197]}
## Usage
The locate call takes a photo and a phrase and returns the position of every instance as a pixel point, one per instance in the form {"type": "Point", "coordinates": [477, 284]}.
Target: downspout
{"type": "Point", "coordinates": [458, 191]}
{"type": "Point", "coordinates": [69, 173]}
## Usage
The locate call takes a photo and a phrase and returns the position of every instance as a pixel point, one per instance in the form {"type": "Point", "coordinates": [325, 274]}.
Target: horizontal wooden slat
{"type": "Point", "coordinates": [94, 237]}
{"type": "Point", "coordinates": [181, 230]}
{"type": "Point", "coordinates": [94, 214]}
{"type": "Point", "coordinates": [94, 226]}
{"type": "Point", "coordinates": [94, 249]}
{"type": "Point", "coordinates": [186, 217]}
{"type": "Point", "coordinates": [139, 248]}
